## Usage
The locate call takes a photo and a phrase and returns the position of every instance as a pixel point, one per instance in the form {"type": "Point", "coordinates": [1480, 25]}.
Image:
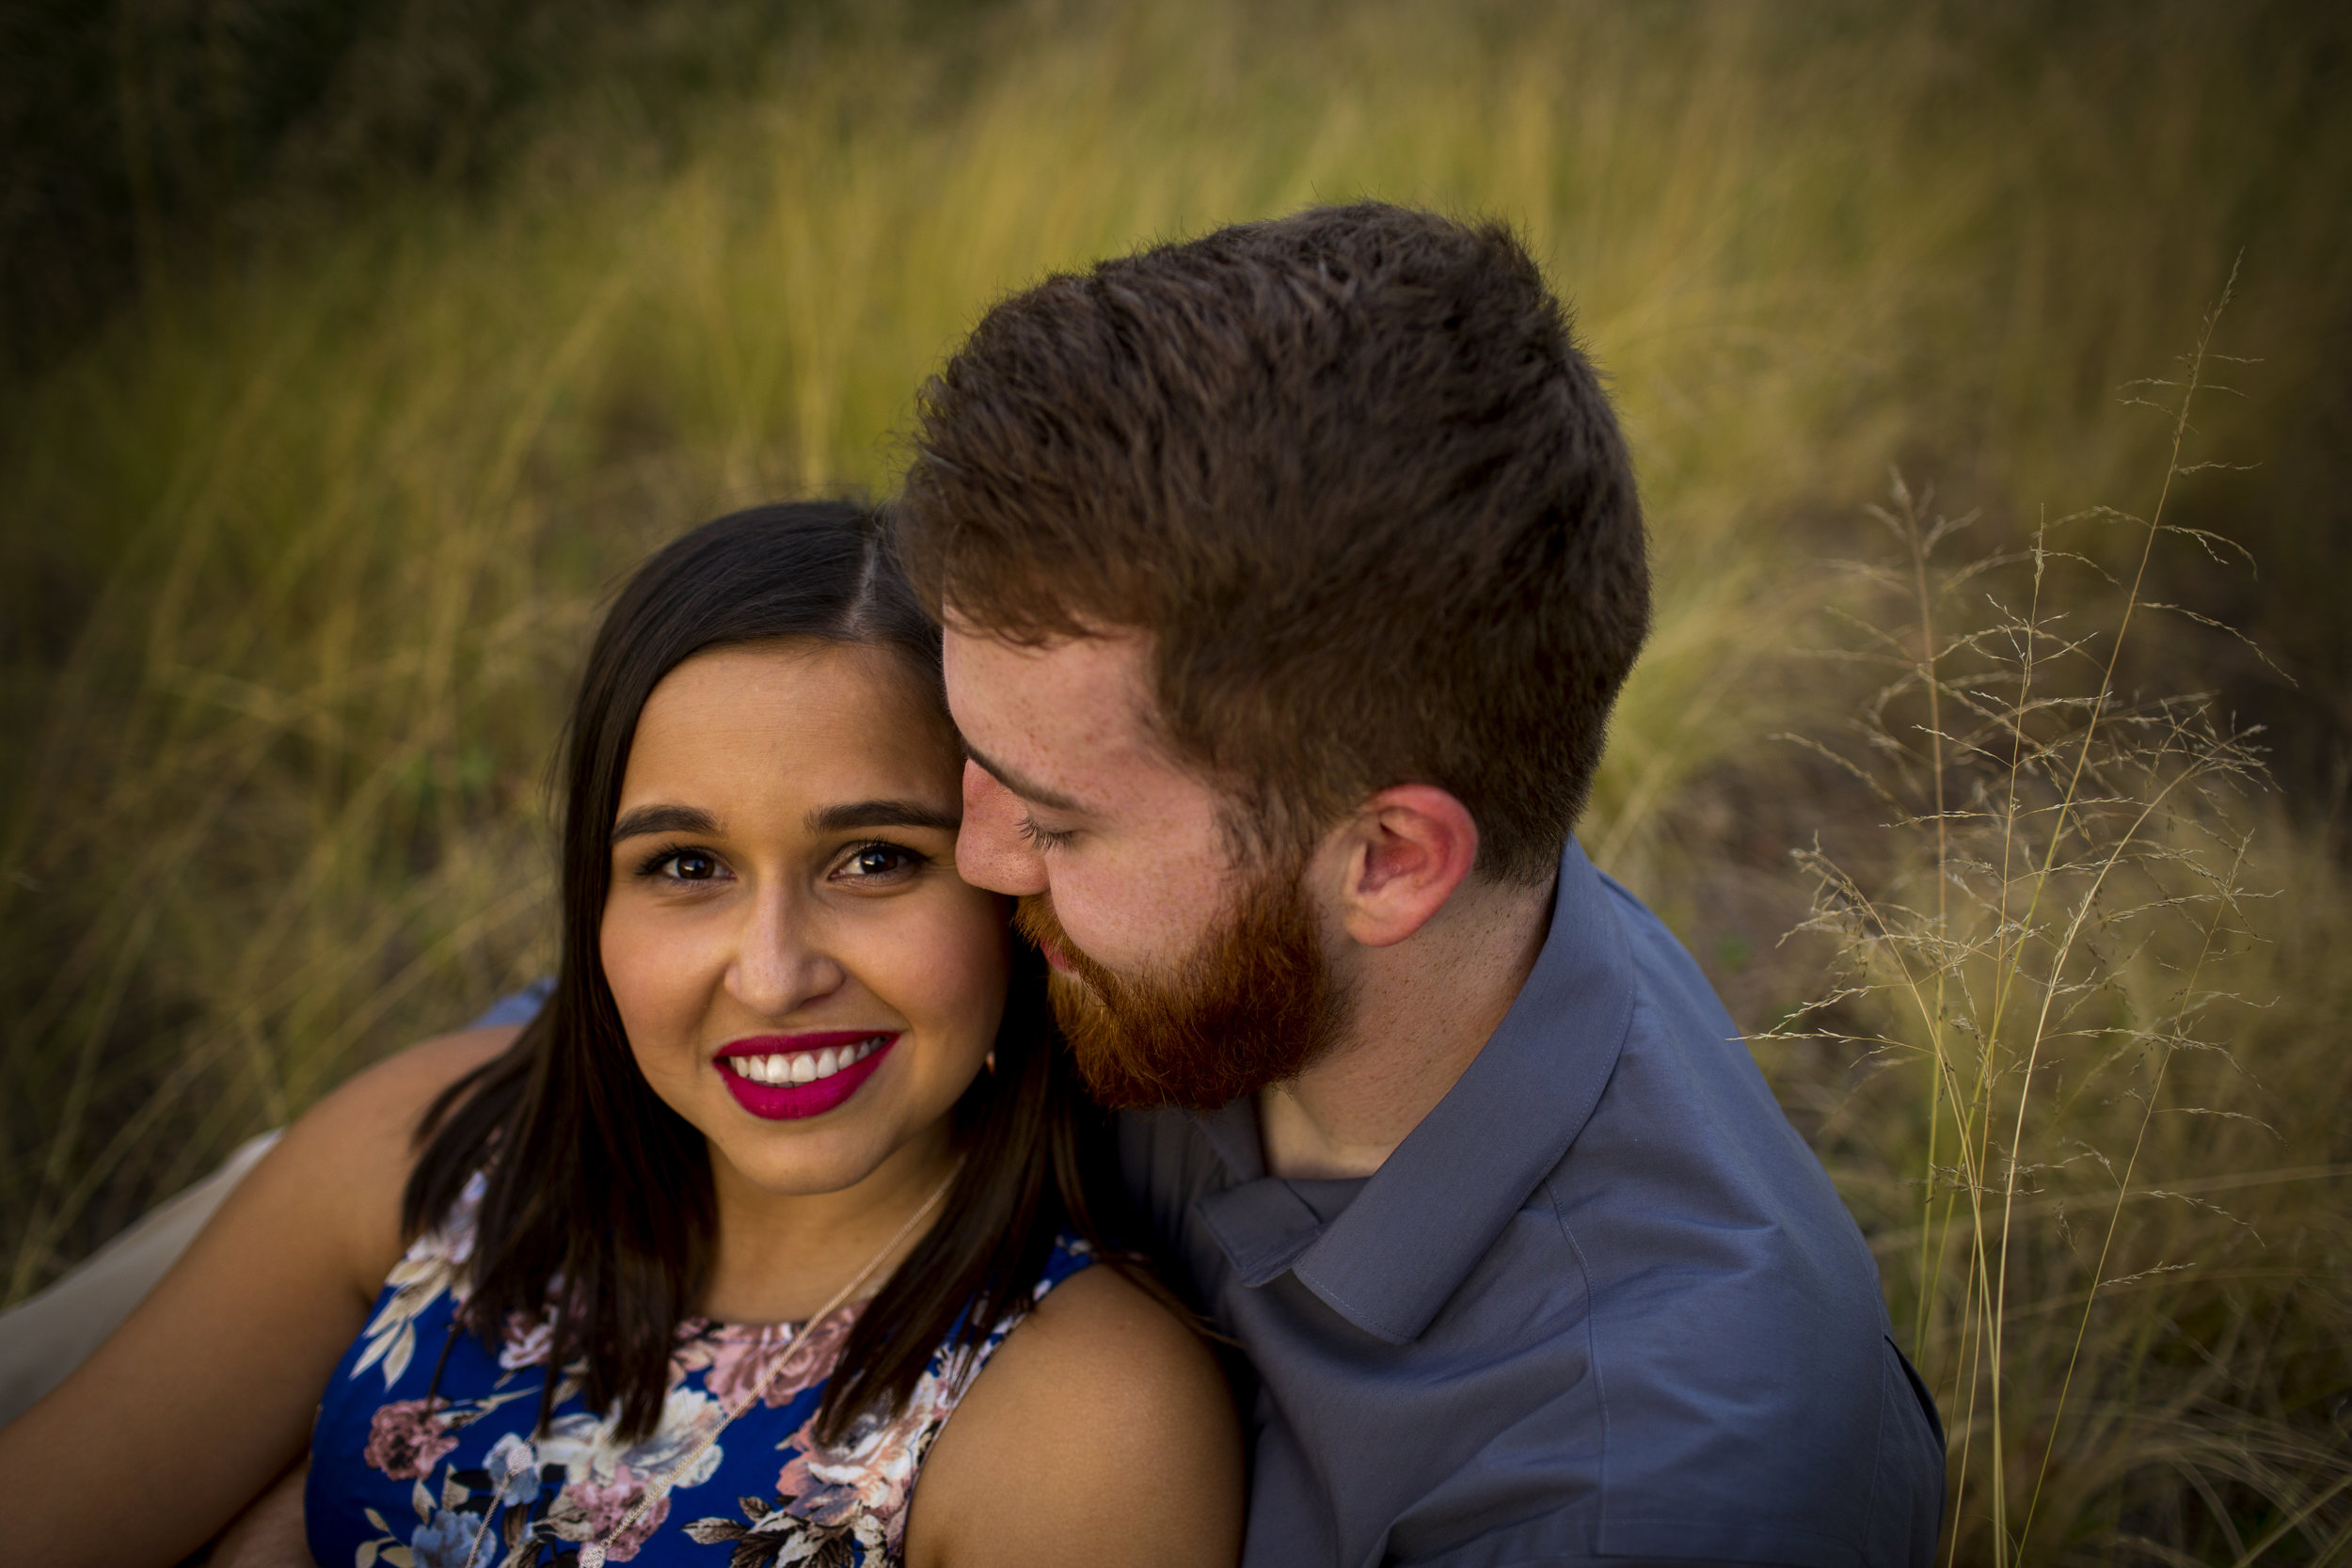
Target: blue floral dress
{"type": "Point", "coordinates": [460, 1481]}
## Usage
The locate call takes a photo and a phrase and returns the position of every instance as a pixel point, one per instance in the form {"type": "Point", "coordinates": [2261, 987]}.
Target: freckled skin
{"type": "Point", "coordinates": [1145, 873]}
{"type": "Point", "coordinates": [770, 927]}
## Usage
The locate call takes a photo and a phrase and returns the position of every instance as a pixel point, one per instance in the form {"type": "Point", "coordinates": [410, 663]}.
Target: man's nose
{"type": "Point", "coordinates": [991, 850]}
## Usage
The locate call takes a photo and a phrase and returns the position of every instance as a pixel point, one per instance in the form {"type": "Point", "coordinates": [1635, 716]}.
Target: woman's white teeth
{"type": "Point", "coordinates": [804, 1067]}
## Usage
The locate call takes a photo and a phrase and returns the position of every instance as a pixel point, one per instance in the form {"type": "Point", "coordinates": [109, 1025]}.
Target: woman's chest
{"type": "Point", "coordinates": [430, 1452]}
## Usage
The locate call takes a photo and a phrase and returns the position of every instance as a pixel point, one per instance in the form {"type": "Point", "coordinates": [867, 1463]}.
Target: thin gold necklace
{"type": "Point", "coordinates": [592, 1554]}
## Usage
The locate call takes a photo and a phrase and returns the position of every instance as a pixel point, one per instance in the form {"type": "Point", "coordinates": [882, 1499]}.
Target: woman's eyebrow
{"type": "Point", "coordinates": [664, 819]}
{"type": "Point", "coordinates": [857, 815]}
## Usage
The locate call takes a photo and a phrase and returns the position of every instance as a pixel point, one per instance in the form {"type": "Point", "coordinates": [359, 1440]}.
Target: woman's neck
{"type": "Point", "coordinates": [782, 1255]}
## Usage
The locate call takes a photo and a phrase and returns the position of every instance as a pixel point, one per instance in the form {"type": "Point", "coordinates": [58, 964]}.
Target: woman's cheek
{"type": "Point", "coordinates": [982, 964]}
{"type": "Point", "coordinates": [951, 977]}
{"type": "Point", "coordinates": [648, 991]}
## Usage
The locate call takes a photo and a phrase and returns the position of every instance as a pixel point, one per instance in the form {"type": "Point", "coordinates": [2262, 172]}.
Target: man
{"type": "Point", "coordinates": [1289, 575]}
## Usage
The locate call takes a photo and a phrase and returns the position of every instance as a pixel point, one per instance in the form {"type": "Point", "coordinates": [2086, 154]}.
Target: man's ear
{"type": "Point", "coordinates": [1398, 860]}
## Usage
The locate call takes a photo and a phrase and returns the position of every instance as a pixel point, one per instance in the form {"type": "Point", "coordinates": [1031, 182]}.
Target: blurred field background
{"type": "Point", "coordinates": [354, 350]}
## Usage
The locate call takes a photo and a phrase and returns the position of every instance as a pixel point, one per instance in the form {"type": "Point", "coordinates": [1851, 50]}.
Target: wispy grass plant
{"type": "Point", "coordinates": [2108, 1272]}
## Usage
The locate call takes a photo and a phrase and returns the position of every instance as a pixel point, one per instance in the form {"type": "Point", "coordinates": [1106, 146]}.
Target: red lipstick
{"type": "Point", "coordinates": [791, 1077]}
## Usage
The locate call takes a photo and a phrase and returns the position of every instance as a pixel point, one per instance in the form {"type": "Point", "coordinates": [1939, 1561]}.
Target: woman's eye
{"type": "Point", "coordinates": [690, 865]}
{"type": "Point", "coordinates": [878, 860]}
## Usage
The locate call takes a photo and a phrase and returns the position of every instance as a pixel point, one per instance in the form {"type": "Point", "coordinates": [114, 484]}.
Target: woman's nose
{"type": "Point", "coordinates": [781, 959]}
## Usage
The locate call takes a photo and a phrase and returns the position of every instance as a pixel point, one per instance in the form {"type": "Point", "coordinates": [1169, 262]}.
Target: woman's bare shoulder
{"type": "Point", "coordinates": [1101, 1431]}
{"type": "Point", "coordinates": [348, 1157]}
{"type": "Point", "coordinates": [389, 1099]}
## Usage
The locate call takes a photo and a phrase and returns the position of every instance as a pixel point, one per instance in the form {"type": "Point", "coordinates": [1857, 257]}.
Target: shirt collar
{"type": "Point", "coordinates": [1424, 1219]}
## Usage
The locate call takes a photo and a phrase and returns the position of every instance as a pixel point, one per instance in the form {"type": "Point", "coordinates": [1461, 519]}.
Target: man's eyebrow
{"type": "Point", "coordinates": [664, 820]}
{"type": "Point", "coordinates": [1028, 789]}
{"type": "Point", "coordinates": [855, 814]}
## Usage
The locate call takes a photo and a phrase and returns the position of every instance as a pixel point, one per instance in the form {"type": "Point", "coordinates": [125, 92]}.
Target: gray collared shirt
{"type": "Point", "coordinates": [1602, 1304]}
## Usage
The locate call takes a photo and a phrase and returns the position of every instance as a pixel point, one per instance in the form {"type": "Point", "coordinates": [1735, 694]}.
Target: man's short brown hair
{"type": "Point", "coordinates": [1349, 471]}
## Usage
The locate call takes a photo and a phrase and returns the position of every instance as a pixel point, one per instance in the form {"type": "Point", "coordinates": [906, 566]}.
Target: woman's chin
{"type": "Point", "coordinates": [813, 1155]}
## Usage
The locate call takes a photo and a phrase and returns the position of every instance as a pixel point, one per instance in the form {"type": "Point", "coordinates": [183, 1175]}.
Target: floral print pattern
{"type": "Point", "coordinates": [409, 1473]}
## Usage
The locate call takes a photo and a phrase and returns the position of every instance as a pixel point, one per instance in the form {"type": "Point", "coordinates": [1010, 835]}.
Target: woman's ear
{"type": "Point", "coordinates": [1398, 860]}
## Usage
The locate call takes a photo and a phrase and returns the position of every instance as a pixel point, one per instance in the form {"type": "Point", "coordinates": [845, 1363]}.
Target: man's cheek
{"type": "Point", "coordinates": [1136, 949]}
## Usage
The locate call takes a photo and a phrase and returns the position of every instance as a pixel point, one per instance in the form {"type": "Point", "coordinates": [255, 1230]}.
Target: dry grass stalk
{"type": "Point", "coordinates": [2040, 935]}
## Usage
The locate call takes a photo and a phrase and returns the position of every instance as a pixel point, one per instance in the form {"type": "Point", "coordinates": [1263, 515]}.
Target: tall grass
{"type": "Point", "coordinates": [299, 556]}
{"type": "Point", "coordinates": [2042, 950]}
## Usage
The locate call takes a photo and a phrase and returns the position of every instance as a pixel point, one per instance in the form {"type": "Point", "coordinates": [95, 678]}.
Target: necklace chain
{"type": "Point", "coordinates": [592, 1554]}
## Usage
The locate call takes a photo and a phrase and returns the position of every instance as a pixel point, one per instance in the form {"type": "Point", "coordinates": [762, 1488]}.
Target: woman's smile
{"type": "Point", "coordinates": [787, 1077]}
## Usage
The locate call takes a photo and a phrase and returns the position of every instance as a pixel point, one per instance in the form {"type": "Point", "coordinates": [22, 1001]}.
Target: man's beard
{"type": "Point", "coordinates": [1255, 1003]}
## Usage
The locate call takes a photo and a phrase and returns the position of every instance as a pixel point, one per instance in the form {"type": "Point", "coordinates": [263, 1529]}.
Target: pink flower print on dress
{"type": "Point", "coordinates": [526, 1340]}
{"type": "Point", "coordinates": [591, 1511]}
{"type": "Point", "coordinates": [864, 1481]}
{"type": "Point", "coordinates": [736, 1359]}
{"type": "Point", "coordinates": [407, 1439]}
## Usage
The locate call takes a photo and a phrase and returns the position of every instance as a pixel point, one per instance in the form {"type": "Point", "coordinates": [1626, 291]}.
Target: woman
{"type": "Point", "coordinates": [694, 1267]}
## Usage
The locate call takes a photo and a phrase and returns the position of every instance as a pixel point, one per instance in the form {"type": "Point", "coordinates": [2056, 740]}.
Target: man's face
{"type": "Point", "coordinates": [1179, 977]}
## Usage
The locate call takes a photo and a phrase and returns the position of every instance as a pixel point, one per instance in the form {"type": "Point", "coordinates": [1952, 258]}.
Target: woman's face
{"type": "Point", "coordinates": [801, 974]}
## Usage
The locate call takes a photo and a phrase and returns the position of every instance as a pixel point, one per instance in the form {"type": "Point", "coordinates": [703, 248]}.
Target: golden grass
{"type": "Point", "coordinates": [2041, 951]}
{"type": "Point", "coordinates": [323, 534]}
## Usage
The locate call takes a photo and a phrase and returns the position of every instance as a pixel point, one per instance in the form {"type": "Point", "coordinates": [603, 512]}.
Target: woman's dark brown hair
{"type": "Point", "coordinates": [593, 1180]}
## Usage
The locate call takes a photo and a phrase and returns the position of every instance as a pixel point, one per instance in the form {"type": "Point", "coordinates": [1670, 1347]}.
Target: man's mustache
{"type": "Point", "coordinates": [1033, 917]}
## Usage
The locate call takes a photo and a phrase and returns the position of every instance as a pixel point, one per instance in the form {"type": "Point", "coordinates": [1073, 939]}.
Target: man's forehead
{"type": "Point", "coordinates": [1052, 715]}
{"type": "Point", "coordinates": [1085, 679]}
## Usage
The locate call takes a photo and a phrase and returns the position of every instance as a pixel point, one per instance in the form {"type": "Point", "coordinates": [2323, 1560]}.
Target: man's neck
{"type": "Point", "coordinates": [1422, 1010]}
